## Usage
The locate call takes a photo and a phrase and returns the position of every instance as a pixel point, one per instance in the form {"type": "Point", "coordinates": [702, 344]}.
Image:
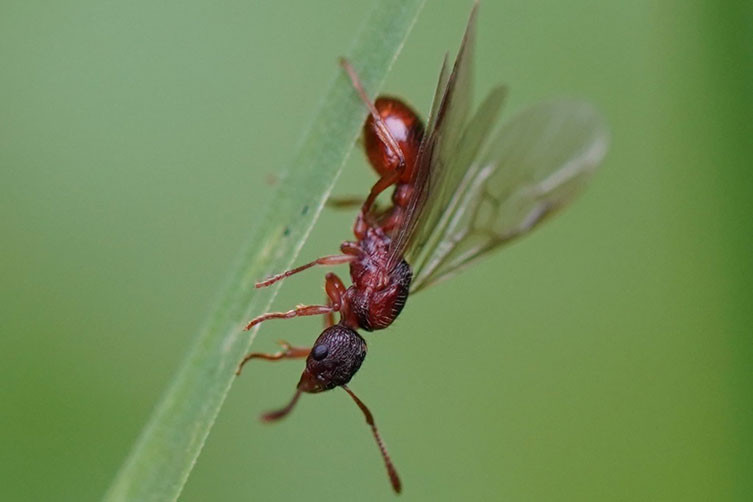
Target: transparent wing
{"type": "Point", "coordinates": [536, 164]}
{"type": "Point", "coordinates": [444, 130]}
{"type": "Point", "coordinates": [451, 166]}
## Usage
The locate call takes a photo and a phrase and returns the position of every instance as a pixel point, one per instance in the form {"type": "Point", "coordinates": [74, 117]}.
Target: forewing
{"type": "Point", "coordinates": [455, 163]}
{"type": "Point", "coordinates": [536, 164]}
{"type": "Point", "coordinates": [433, 185]}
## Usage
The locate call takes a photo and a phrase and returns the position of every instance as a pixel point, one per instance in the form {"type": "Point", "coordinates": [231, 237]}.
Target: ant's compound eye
{"type": "Point", "coordinates": [320, 352]}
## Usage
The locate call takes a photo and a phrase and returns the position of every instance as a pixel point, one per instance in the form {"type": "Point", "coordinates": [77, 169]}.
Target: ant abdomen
{"type": "Point", "coordinates": [406, 129]}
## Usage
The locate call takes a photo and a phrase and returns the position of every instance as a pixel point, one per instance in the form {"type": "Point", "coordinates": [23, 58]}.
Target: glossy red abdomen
{"type": "Point", "coordinates": [406, 129]}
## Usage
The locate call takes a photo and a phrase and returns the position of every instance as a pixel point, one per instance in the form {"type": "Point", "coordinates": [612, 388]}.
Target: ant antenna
{"type": "Point", "coordinates": [394, 478]}
{"type": "Point", "coordinates": [276, 415]}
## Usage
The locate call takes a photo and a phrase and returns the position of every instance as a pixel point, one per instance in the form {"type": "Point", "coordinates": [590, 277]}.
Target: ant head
{"type": "Point", "coordinates": [333, 360]}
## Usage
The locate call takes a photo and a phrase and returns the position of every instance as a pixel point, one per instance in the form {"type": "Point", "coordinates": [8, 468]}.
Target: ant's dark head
{"type": "Point", "coordinates": [333, 360]}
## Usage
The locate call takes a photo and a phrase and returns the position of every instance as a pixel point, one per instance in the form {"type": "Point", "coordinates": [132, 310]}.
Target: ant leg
{"type": "Point", "coordinates": [335, 290]}
{"type": "Point", "coordinates": [325, 260]}
{"type": "Point", "coordinates": [329, 317]}
{"type": "Point", "coordinates": [350, 248]}
{"type": "Point", "coordinates": [390, 178]}
{"type": "Point", "coordinates": [299, 311]}
{"type": "Point", "coordinates": [367, 216]}
{"type": "Point", "coordinates": [380, 186]}
{"type": "Point", "coordinates": [287, 352]}
{"type": "Point", "coordinates": [382, 131]}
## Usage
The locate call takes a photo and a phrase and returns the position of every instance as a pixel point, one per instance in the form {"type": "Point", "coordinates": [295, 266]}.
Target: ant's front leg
{"type": "Point", "coordinates": [335, 290]}
{"type": "Point", "coordinates": [335, 293]}
{"type": "Point", "coordinates": [299, 311]}
{"type": "Point", "coordinates": [287, 352]}
{"type": "Point", "coordinates": [329, 318]}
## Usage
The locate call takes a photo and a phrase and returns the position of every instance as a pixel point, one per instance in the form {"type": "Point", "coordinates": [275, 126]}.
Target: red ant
{"type": "Point", "coordinates": [459, 192]}
{"type": "Point", "coordinates": [392, 137]}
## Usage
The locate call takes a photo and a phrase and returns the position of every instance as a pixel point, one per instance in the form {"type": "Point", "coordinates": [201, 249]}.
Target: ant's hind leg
{"type": "Point", "coordinates": [287, 352]}
{"type": "Point", "coordinates": [384, 135]}
{"type": "Point", "coordinates": [382, 184]}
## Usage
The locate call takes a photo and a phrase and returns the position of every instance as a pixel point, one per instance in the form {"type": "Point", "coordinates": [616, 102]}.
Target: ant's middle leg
{"type": "Point", "coordinates": [382, 184]}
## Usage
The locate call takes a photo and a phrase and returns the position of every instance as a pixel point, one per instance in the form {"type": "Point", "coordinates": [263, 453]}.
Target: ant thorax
{"type": "Point", "coordinates": [369, 269]}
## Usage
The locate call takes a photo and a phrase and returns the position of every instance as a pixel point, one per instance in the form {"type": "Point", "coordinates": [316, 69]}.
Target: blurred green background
{"type": "Point", "coordinates": [606, 357]}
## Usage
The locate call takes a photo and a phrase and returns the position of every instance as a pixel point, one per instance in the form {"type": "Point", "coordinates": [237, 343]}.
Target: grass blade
{"type": "Point", "coordinates": [163, 456]}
